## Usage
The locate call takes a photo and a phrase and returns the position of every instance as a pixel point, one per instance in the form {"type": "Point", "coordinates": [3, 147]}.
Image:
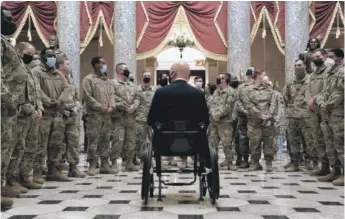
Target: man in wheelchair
{"type": "Point", "coordinates": [179, 120]}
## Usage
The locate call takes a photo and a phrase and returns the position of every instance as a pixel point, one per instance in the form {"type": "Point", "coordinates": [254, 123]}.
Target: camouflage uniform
{"type": "Point", "coordinates": [315, 86]}
{"type": "Point", "coordinates": [53, 88]}
{"type": "Point", "coordinates": [221, 105]}
{"type": "Point", "coordinates": [332, 98]}
{"type": "Point", "coordinates": [71, 141]}
{"type": "Point", "coordinates": [123, 124]}
{"type": "Point", "coordinates": [280, 122]}
{"type": "Point", "coordinates": [142, 102]}
{"type": "Point", "coordinates": [98, 92]}
{"type": "Point", "coordinates": [256, 101]}
{"type": "Point", "coordinates": [296, 96]}
{"type": "Point", "coordinates": [26, 131]}
{"type": "Point", "coordinates": [13, 78]}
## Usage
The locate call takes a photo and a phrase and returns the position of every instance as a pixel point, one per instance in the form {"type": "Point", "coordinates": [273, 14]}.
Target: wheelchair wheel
{"type": "Point", "coordinates": [147, 175]}
{"type": "Point", "coordinates": [213, 177]}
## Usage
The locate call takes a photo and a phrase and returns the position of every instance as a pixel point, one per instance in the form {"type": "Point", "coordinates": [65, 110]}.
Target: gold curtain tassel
{"type": "Point", "coordinates": [29, 29]}
{"type": "Point", "coordinates": [337, 33]}
{"type": "Point", "coordinates": [100, 34]}
{"type": "Point", "coordinates": [264, 24]}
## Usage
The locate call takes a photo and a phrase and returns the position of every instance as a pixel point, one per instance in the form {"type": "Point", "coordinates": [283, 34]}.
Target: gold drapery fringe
{"type": "Point", "coordinates": [275, 31]}
{"type": "Point", "coordinates": [198, 46]}
{"type": "Point", "coordinates": [21, 24]}
{"type": "Point", "coordinates": [221, 35]}
{"type": "Point", "coordinates": [145, 25]}
{"type": "Point", "coordinates": [313, 22]}
{"type": "Point", "coordinates": [87, 35]}
{"type": "Point", "coordinates": [337, 10]}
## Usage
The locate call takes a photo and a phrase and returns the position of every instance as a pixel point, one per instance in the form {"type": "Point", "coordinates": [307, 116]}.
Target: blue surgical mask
{"type": "Point", "coordinates": [51, 61]}
{"type": "Point", "coordinates": [103, 69]}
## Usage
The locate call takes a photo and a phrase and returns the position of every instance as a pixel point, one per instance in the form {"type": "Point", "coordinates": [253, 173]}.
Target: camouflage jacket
{"type": "Point", "coordinates": [296, 97]}
{"type": "Point", "coordinates": [73, 100]}
{"type": "Point", "coordinates": [14, 73]}
{"type": "Point", "coordinates": [332, 94]}
{"type": "Point", "coordinates": [124, 96]}
{"type": "Point", "coordinates": [316, 82]}
{"type": "Point", "coordinates": [53, 87]}
{"type": "Point", "coordinates": [222, 103]}
{"type": "Point", "coordinates": [98, 92]}
{"type": "Point", "coordinates": [241, 91]}
{"type": "Point", "coordinates": [280, 112]}
{"type": "Point", "coordinates": [142, 102]}
{"type": "Point", "coordinates": [258, 100]}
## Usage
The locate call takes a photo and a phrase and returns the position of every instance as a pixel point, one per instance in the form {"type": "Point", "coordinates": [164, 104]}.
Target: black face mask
{"type": "Point", "coordinates": [27, 58]}
{"type": "Point", "coordinates": [8, 27]}
{"type": "Point", "coordinates": [146, 80]}
{"type": "Point", "coordinates": [234, 84]}
{"type": "Point", "coordinates": [163, 82]}
{"type": "Point", "coordinates": [218, 81]}
{"type": "Point", "coordinates": [318, 62]}
{"type": "Point", "coordinates": [131, 79]}
{"type": "Point", "coordinates": [126, 73]}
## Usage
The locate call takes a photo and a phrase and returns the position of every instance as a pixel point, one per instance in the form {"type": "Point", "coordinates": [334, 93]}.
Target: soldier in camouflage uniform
{"type": "Point", "coordinates": [54, 94]}
{"type": "Point", "coordinates": [242, 118]}
{"type": "Point", "coordinates": [315, 85]}
{"type": "Point", "coordinates": [142, 102]}
{"type": "Point", "coordinates": [296, 95]}
{"type": "Point", "coordinates": [13, 77]}
{"type": "Point", "coordinates": [70, 117]}
{"type": "Point", "coordinates": [221, 106]}
{"type": "Point", "coordinates": [98, 94]}
{"type": "Point", "coordinates": [260, 103]}
{"type": "Point", "coordinates": [123, 120]}
{"type": "Point", "coordinates": [331, 103]}
{"type": "Point", "coordinates": [29, 115]}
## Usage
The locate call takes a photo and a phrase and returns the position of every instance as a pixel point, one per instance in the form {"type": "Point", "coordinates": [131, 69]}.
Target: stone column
{"type": "Point", "coordinates": [125, 35]}
{"type": "Point", "coordinates": [296, 33]}
{"type": "Point", "coordinates": [68, 21]}
{"type": "Point", "coordinates": [238, 36]}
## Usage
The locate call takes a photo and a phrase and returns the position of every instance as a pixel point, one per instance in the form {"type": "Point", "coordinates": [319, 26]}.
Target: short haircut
{"type": "Point", "coordinates": [338, 53]}
{"type": "Point", "coordinates": [322, 51]}
{"type": "Point", "coordinates": [95, 60]}
{"type": "Point", "coordinates": [212, 87]}
{"type": "Point", "coordinates": [198, 77]}
{"type": "Point", "coordinates": [146, 70]}
{"type": "Point", "coordinates": [23, 45]}
{"type": "Point", "coordinates": [309, 41]}
{"type": "Point", "coordinates": [296, 60]}
{"type": "Point", "coordinates": [118, 65]}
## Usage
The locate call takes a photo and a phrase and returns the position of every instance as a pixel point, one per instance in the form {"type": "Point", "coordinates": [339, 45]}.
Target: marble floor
{"type": "Point", "coordinates": [247, 195]}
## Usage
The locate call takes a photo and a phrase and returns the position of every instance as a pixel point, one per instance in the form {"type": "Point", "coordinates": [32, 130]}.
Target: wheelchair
{"type": "Point", "coordinates": [180, 138]}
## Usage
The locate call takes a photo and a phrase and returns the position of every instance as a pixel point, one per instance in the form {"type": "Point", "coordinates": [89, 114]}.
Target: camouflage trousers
{"type": "Point", "coordinates": [242, 135]}
{"type": "Point", "coordinates": [331, 132]}
{"type": "Point", "coordinates": [299, 128]}
{"type": "Point", "coordinates": [222, 131]}
{"type": "Point", "coordinates": [123, 139]}
{"type": "Point", "coordinates": [8, 139]}
{"type": "Point", "coordinates": [319, 140]}
{"type": "Point", "coordinates": [276, 132]}
{"type": "Point", "coordinates": [141, 135]}
{"type": "Point", "coordinates": [23, 156]}
{"type": "Point", "coordinates": [98, 133]}
{"type": "Point", "coordinates": [70, 144]}
{"type": "Point", "coordinates": [50, 140]}
{"type": "Point", "coordinates": [258, 135]}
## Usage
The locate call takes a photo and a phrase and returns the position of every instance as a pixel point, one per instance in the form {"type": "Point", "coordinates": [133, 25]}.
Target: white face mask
{"type": "Point", "coordinates": [265, 79]}
{"type": "Point", "coordinates": [198, 85]}
{"type": "Point", "coordinates": [329, 62]}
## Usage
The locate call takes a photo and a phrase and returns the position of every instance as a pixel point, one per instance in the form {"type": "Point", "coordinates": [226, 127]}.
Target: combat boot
{"type": "Point", "coordinates": [27, 183]}
{"type": "Point", "coordinates": [294, 167]}
{"type": "Point", "coordinates": [308, 165]}
{"type": "Point", "coordinates": [45, 170]}
{"type": "Point", "coordinates": [13, 184]}
{"type": "Point", "coordinates": [288, 165]}
{"type": "Point", "coordinates": [6, 202]}
{"type": "Point", "coordinates": [315, 165]}
{"type": "Point", "coordinates": [136, 162]}
{"type": "Point", "coordinates": [74, 172]}
{"type": "Point", "coordinates": [55, 174]}
{"type": "Point", "coordinates": [245, 163]}
{"type": "Point", "coordinates": [255, 165]}
{"type": "Point", "coordinates": [269, 167]}
{"type": "Point", "coordinates": [340, 180]}
{"type": "Point", "coordinates": [184, 163]}
{"type": "Point", "coordinates": [231, 166]}
{"type": "Point", "coordinates": [332, 176]}
{"type": "Point", "coordinates": [37, 175]}
{"type": "Point", "coordinates": [9, 192]}
{"type": "Point", "coordinates": [131, 167]}
{"type": "Point", "coordinates": [238, 160]}
{"type": "Point", "coordinates": [124, 162]}
{"type": "Point", "coordinates": [114, 166]}
{"type": "Point", "coordinates": [172, 161]}
{"type": "Point", "coordinates": [64, 166]}
{"type": "Point", "coordinates": [92, 168]}
{"type": "Point", "coordinates": [105, 169]}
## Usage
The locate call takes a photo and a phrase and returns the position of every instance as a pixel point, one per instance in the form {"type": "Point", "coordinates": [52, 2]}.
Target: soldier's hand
{"type": "Point", "coordinates": [104, 109]}
{"type": "Point", "coordinates": [215, 118]}
{"type": "Point", "coordinates": [110, 109]}
{"type": "Point", "coordinates": [264, 117]}
{"type": "Point", "coordinates": [131, 110]}
{"type": "Point", "coordinates": [311, 105]}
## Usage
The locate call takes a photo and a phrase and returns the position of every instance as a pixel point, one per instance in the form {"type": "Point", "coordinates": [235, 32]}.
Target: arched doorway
{"type": "Point", "coordinates": [192, 56]}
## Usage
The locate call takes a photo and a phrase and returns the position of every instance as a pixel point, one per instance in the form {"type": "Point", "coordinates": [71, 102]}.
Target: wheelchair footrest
{"type": "Point", "coordinates": [178, 184]}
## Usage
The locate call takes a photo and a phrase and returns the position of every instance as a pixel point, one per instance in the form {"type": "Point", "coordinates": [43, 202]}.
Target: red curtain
{"type": "Point", "coordinates": [85, 21]}
{"type": "Point", "coordinates": [44, 13]}
{"type": "Point", "coordinates": [106, 7]}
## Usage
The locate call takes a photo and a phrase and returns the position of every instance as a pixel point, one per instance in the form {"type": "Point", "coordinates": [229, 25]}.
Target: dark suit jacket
{"type": "Point", "coordinates": [176, 102]}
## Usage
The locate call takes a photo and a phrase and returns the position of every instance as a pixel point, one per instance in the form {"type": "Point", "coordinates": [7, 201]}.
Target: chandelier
{"type": "Point", "coordinates": [180, 40]}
